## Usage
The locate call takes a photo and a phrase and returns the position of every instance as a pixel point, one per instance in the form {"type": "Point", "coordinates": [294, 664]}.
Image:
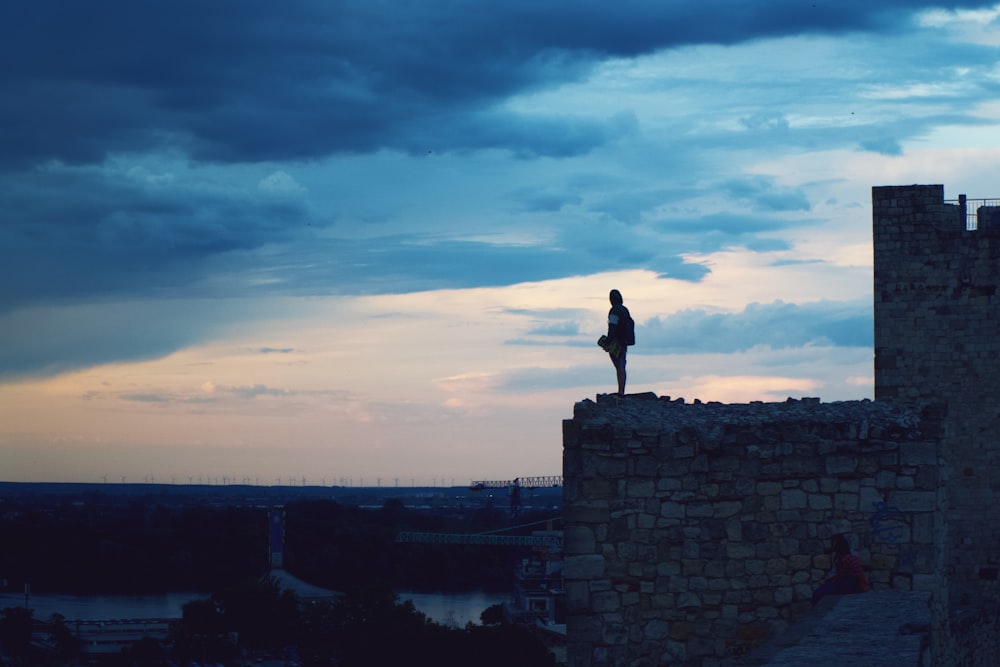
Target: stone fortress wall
{"type": "Point", "coordinates": [694, 531]}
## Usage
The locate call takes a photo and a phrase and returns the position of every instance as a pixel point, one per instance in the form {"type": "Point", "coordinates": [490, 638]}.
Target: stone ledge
{"type": "Point", "coordinates": [875, 629]}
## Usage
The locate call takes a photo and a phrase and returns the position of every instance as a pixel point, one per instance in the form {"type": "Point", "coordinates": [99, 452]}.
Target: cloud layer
{"type": "Point", "coordinates": [374, 209]}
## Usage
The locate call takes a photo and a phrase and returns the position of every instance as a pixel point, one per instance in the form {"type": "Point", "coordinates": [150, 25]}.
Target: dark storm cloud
{"type": "Point", "coordinates": [53, 340]}
{"type": "Point", "coordinates": [416, 263]}
{"type": "Point", "coordinates": [75, 233]}
{"type": "Point", "coordinates": [227, 84]}
{"type": "Point", "coordinates": [775, 325]}
{"type": "Point", "coordinates": [258, 80]}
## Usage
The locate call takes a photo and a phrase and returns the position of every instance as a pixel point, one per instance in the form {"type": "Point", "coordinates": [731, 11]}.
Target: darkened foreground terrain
{"type": "Point", "coordinates": [97, 540]}
{"type": "Point", "coordinates": [256, 621]}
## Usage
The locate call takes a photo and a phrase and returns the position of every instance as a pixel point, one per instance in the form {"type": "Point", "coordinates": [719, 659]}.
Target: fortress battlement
{"type": "Point", "coordinates": [695, 531]}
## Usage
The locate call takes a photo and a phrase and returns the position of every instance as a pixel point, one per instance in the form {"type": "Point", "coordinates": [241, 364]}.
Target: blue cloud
{"type": "Point", "coordinates": [763, 194]}
{"type": "Point", "coordinates": [556, 329]}
{"type": "Point", "coordinates": [299, 80]}
{"type": "Point", "coordinates": [776, 325]}
{"type": "Point", "coordinates": [883, 145]}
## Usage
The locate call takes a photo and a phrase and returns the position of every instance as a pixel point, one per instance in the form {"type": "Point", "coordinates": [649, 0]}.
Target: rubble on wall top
{"type": "Point", "coordinates": [665, 413]}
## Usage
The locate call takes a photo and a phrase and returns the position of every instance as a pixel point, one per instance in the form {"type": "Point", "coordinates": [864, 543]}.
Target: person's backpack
{"type": "Point", "coordinates": [627, 328]}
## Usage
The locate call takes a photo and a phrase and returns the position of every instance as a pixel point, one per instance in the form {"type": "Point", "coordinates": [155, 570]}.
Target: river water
{"type": "Point", "coordinates": [452, 609]}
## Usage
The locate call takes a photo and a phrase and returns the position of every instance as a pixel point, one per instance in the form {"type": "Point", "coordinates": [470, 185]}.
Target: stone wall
{"type": "Point", "coordinates": [937, 343]}
{"type": "Point", "coordinates": [694, 531]}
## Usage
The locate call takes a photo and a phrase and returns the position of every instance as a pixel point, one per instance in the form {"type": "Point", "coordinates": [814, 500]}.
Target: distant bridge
{"type": "Point", "coordinates": [552, 481]}
{"type": "Point", "coordinates": [554, 541]}
{"type": "Point", "coordinates": [111, 635]}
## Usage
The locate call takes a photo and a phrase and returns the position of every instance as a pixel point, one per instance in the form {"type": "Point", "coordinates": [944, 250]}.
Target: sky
{"type": "Point", "coordinates": [371, 242]}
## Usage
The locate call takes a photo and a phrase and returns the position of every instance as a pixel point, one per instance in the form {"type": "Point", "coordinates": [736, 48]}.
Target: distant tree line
{"type": "Point", "coordinates": [130, 549]}
{"type": "Point", "coordinates": [141, 547]}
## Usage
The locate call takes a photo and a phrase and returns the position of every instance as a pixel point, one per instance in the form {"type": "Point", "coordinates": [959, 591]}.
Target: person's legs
{"type": "Point", "coordinates": [619, 364]}
{"type": "Point", "coordinates": [841, 587]}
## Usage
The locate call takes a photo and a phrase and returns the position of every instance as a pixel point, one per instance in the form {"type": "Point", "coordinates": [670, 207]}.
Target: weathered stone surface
{"type": "Point", "coordinates": [750, 494]}
{"type": "Point", "coordinates": [584, 567]}
{"type": "Point", "coordinates": [720, 536]}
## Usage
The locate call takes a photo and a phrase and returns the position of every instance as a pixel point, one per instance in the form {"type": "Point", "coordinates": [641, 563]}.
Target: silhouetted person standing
{"type": "Point", "coordinates": [621, 334]}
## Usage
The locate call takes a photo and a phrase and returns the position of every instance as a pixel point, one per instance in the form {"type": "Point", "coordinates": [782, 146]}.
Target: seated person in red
{"type": "Point", "coordinates": [848, 577]}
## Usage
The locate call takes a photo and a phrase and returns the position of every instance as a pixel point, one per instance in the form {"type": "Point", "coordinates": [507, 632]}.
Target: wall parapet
{"type": "Point", "coordinates": [694, 531]}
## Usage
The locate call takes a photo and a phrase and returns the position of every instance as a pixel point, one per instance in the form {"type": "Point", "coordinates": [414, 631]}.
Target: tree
{"type": "Point", "coordinates": [262, 615]}
{"type": "Point", "coordinates": [145, 652]}
{"type": "Point", "coordinates": [64, 642]}
{"type": "Point", "coordinates": [15, 632]}
{"type": "Point", "coordinates": [201, 633]}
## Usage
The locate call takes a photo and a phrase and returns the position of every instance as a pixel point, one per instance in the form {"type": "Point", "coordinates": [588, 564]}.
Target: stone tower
{"type": "Point", "coordinates": [937, 347]}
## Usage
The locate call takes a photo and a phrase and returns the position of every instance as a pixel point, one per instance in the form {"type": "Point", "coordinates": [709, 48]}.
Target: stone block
{"type": "Point", "coordinates": [740, 550]}
{"type": "Point", "coordinates": [885, 479]}
{"type": "Point", "coordinates": [716, 568]}
{"type": "Point", "coordinates": [646, 466]}
{"type": "Point", "coordinates": [579, 539]}
{"type": "Point", "coordinates": [672, 510]}
{"type": "Point", "coordinates": [594, 512]}
{"type": "Point", "coordinates": [698, 584]}
{"type": "Point", "coordinates": [674, 653]}
{"type": "Point", "coordinates": [734, 530]}
{"type": "Point", "coordinates": [640, 488]}
{"type": "Point", "coordinates": [849, 502]}
{"type": "Point", "coordinates": [913, 501]}
{"type": "Point", "coordinates": [918, 453]}
{"type": "Point", "coordinates": [768, 488]}
{"type": "Point", "coordinates": [848, 485]}
{"type": "Point", "coordinates": [923, 528]}
{"type": "Point", "coordinates": [783, 595]}
{"type": "Point", "coordinates": [726, 508]}
{"type": "Point", "coordinates": [799, 562]}
{"type": "Point", "coordinates": [656, 629]}
{"type": "Point", "coordinates": [820, 502]}
{"type": "Point", "coordinates": [614, 634]}
{"type": "Point", "coordinates": [767, 550]}
{"type": "Point", "coordinates": [776, 566]}
{"type": "Point", "coordinates": [668, 568]}
{"type": "Point", "coordinates": [605, 601]}
{"type": "Point", "coordinates": [788, 546]}
{"type": "Point", "coordinates": [667, 485]}
{"type": "Point", "coordinates": [584, 566]}
{"type": "Point", "coordinates": [688, 600]}
{"type": "Point", "coordinates": [577, 596]}
{"type": "Point", "coordinates": [719, 584]}
{"type": "Point", "coordinates": [793, 499]}
{"type": "Point", "coordinates": [692, 566]}
{"type": "Point", "coordinates": [700, 509]}
{"type": "Point", "coordinates": [840, 465]}
{"type": "Point", "coordinates": [596, 489]}
{"type": "Point", "coordinates": [869, 499]}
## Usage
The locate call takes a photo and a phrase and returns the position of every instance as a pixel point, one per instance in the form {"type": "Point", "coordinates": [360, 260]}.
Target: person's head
{"type": "Point", "coordinates": [840, 545]}
{"type": "Point", "coordinates": [616, 298]}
